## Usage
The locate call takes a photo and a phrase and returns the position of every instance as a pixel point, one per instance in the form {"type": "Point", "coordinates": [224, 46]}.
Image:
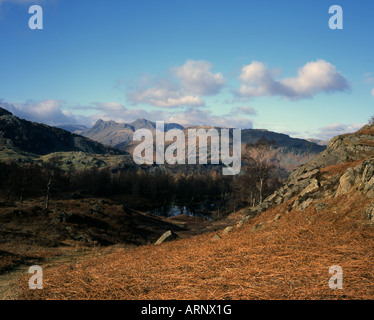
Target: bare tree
{"type": "Point", "coordinates": [258, 157]}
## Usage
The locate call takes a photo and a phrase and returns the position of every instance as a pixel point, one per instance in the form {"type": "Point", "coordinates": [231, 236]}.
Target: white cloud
{"type": "Point", "coordinates": [372, 92]}
{"type": "Point", "coordinates": [313, 78]}
{"type": "Point", "coordinates": [197, 79]}
{"type": "Point", "coordinates": [256, 80]}
{"type": "Point", "coordinates": [163, 94]}
{"type": "Point", "coordinates": [163, 97]}
{"type": "Point", "coordinates": [335, 129]}
{"type": "Point", "coordinates": [192, 80]}
{"type": "Point", "coordinates": [47, 111]}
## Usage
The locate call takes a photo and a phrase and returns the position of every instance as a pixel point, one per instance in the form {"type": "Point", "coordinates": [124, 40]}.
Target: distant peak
{"type": "Point", "coordinates": [103, 121]}
{"type": "Point", "coordinates": [101, 124]}
{"type": "Point", "coordinates": [141, 120]}
{"type": "Point", "coordinates": [143, 124]}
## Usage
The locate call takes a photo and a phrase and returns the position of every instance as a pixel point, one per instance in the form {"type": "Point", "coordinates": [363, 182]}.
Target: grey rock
{"type": "Point", "coordinates": [346, 182]}
{"type": "Point", "coordinates": [228, 230]}
{"type": "Point", "coordinates": [308, 175]}
{"type": "Point", "coordinates": [216, 237]}
{"type": "Point", "coordinates": [243, 220]}
{"type": "Point", "coordinates": [360, 177]}
{"type": "Point", "coordinates": [302, 205]}
{"type": "Point", "coordinates": [311, 188]}
{"type": "Point", "coordinates": [167, 236]}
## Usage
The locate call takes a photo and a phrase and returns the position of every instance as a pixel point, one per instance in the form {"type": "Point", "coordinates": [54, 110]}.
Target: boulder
{"type": "Point", "coordinates": [228, 230]}
{"type": "Point", "coordinates": [167, 236]}
{"type": "Point", "coordinates": [216, 237]}
{"type": "Point", "coordinates": [308, 175]}
{"type": "Point", "coordinates": [243, 220]}
{"type": "Point", "coordinates": [311, 188]}
{"type": "Point", "coordinates": [360, 177]}
{"type": "Point", "coordinates": [346, 182]}
{"type": "Point", "coordinates": [368, 179]}
{"type": "Point", "coordinates": [302, 205]}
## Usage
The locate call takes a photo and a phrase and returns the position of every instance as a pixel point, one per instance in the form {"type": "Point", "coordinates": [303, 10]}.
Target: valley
{"type": "Point", "coordinates": [86, 217]}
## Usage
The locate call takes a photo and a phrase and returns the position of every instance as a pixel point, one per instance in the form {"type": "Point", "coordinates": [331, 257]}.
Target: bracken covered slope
{"type": "Point", "coordinates": [322, 217]}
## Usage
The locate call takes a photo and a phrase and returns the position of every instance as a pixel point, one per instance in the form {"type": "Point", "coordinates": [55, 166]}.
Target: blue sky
{"type": "Point", "coordinates": [262, 64]}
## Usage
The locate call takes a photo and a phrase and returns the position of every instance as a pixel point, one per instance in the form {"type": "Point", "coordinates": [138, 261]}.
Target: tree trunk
{"type": "Point", "coordinates": [48, 191]}
{"type": "Point", "coordinates": [261, 183]}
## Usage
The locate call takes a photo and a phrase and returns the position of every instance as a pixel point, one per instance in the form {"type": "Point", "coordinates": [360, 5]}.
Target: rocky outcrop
{"type": "Point", "coordinates": [360, 177]}
{"type": "Point", "coordinates": [347, 164]}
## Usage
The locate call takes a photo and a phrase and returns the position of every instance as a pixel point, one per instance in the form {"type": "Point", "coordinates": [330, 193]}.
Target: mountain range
{"type": "Point", "coordinates": [290, 152]}
{"type": "Point", "coordinates": [116, 134]}
{"type": "Point", "coordinates": [18, 136]}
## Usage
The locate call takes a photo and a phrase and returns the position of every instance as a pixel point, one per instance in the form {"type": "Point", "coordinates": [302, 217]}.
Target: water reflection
{"type": "Point", "coordinates": [176, 210]}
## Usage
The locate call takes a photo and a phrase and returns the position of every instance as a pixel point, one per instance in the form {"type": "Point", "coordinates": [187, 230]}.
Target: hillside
{"type": "Point", "coordinates": [39, 139]}
{"type": "Point", "coordinates": [283, 249]}
{"type": "Point", "coordinates": [290, 152]}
